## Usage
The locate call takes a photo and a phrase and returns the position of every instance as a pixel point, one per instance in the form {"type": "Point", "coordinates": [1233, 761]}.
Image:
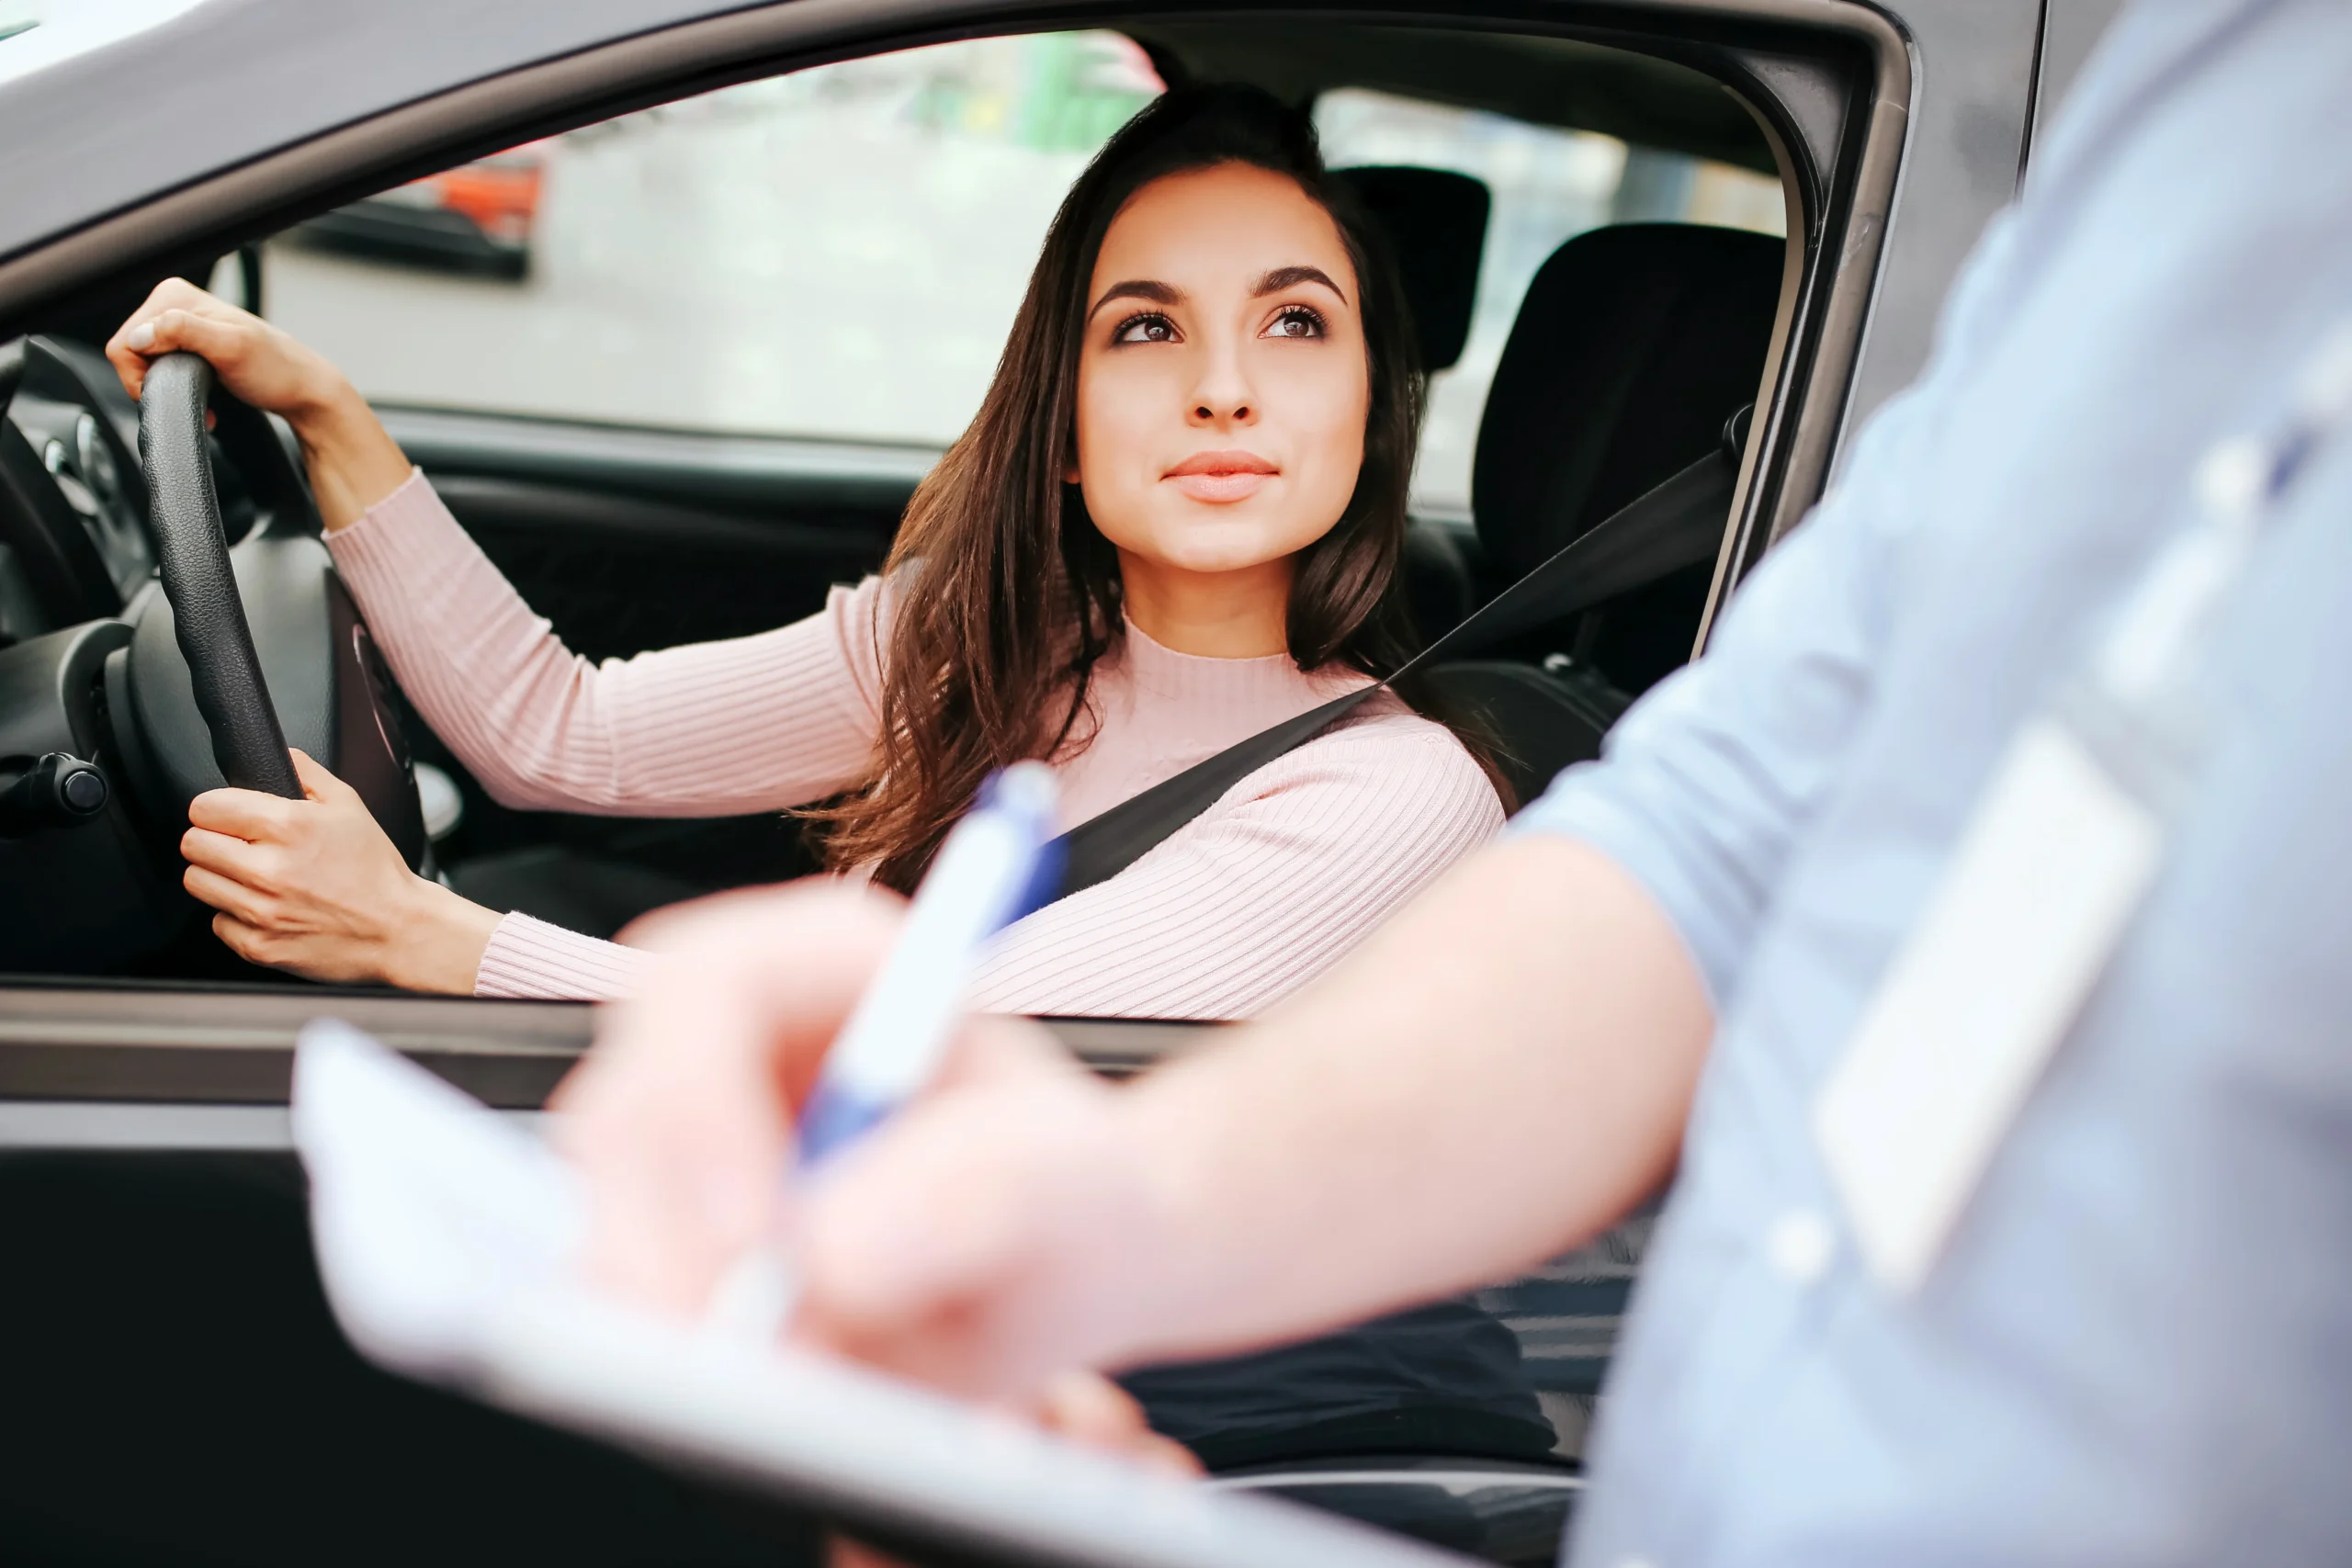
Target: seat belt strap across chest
{"type": "Point", "coordinates": [1677, 524]}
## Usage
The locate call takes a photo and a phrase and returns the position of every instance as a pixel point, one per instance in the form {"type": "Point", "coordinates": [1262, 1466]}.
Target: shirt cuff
{"type": "Point", "coordinates": [531, 960]}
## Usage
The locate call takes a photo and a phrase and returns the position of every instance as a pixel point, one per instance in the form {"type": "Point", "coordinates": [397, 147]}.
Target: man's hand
{"type": "Point", "coordinates": [958, 1243]}
{"type": "Point", "coordinates": [1085, 1409]}
{"type": "Point", "coordinates": [1501, 1071]}
{"type": "Point", "coordinates": [315, 886]}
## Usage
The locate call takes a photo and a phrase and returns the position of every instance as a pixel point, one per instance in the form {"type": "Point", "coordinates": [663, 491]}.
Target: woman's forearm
{"type": "Point", "coordinates": [353, 459]}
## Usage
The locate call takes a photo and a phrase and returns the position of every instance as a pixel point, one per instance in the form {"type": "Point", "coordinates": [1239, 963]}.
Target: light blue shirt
{"type": "Point", "coordinates": [2137, 1347]}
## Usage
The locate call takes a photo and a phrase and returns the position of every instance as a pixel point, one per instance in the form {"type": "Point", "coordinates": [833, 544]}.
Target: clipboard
{"type": "Point", "coordinates": [444, 1230]}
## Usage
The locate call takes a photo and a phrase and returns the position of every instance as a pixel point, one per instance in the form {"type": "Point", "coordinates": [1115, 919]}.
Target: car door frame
{"type": "Point", "coordinates": [1845, 283]}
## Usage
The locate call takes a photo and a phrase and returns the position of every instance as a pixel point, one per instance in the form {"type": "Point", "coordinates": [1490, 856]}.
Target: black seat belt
{"type": "Point", "coordinates": [1679, 522]}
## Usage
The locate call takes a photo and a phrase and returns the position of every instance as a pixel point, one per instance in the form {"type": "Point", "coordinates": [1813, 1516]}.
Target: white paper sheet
{"type": "Point", "coordinates": [446, 1234]}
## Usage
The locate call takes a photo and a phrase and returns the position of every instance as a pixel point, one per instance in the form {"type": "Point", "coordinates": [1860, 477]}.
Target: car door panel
{"type": "Point", "coordinates": [630, 539]}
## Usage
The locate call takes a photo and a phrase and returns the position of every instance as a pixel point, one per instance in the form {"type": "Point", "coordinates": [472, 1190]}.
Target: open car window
{"type": "Point", "coordinates": [836, 254]}
{"type": "Point", "coordinates": [1547, 183]}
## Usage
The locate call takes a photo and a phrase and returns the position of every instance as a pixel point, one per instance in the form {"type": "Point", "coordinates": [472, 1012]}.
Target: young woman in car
{"type": "Point", "coordinates": [1175, 521]}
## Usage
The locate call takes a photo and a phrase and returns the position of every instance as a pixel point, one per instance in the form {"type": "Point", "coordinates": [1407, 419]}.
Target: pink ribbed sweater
{"type": "Point", "coordinates": [1269, 886]}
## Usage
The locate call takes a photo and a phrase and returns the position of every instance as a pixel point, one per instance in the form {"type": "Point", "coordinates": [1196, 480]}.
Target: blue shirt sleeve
{"type": "Point", "coordinates": [1705, 786]}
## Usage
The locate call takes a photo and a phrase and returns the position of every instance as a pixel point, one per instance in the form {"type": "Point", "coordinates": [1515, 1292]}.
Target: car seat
{"type": "Point", "coordinates": [1435, 224]}
{"type": "Point", "coordinates": [1633, 347]}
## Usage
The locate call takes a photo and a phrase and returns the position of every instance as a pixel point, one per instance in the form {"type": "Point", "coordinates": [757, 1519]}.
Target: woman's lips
{"type": "Point", "coordinates": [1221, 477]}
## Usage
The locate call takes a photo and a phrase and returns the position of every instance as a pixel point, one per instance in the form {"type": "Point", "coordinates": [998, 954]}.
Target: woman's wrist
{"type": "Point", "coordinates": [328, 411]}
{"type": "Point", "coordinates": [437, 941]}
{"type": "Point", "coordinates": [353, 459]}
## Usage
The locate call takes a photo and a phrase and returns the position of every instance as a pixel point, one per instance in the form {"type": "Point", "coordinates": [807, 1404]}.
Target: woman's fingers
{"type": "Point", "coordinates": [269, 819]}
{"type": "Point", "coordinates": [156, 327]}
{"type": "Point", "coordinates": [228, 895]}
{"type": "Point", "coordinates": [245, 814]}
{"type": "Point", "coordinates": [326, 892]}
{"type": "Point", "coordinates": [252, 359]}
{"type": "Point", "coordinates": [226, 853]}
{"type": "Point", "coordinates": [316, 783]}
{"type": "Point", "coordinates": [253, 944]}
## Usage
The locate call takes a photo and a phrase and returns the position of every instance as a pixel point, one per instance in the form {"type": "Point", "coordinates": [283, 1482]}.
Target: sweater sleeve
{"type": "Point", "coordinates": [751, 724]}
{"type": "Point", "coordinates": [533, 960]}
{"type": "Point", "coordinates": [1277, 881]}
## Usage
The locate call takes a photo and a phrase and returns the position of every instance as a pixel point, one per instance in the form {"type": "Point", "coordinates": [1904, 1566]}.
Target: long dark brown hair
{"type": "Point", "coordinates": [1008, 595]}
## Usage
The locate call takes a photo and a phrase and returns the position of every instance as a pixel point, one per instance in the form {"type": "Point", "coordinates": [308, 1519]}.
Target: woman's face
{"type": "Point", "coordinates": [1223, 384]}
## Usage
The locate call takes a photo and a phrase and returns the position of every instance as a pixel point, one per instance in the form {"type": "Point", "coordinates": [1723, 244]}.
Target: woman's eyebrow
{"type": "Point", "coordinates": [1139, 289]}
{"type": "Point", "coordinates": [1283, 277]}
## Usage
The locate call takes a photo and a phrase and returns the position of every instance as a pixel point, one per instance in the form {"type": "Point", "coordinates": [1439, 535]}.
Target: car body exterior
{"type": "Point", "coordinates": [373, 126]}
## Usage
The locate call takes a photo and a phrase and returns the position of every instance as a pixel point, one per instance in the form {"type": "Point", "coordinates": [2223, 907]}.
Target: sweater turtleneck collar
{"type": "Point", "coordinates": [1269, 681]}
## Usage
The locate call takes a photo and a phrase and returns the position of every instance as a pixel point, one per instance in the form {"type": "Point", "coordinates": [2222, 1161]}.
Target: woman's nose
{"type": "Point", "coordinates": [1223, 395]}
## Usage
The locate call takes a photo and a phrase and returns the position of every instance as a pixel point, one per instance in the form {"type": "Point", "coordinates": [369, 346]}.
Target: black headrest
{"type": "Point", "coordinates": [1633, 346]}
{"type": "Point", "coordinates": [1436, 223]}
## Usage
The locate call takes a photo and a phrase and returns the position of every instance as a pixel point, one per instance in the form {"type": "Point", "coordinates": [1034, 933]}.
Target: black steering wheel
{"type": "Point", "coordinates": [192, 555]}
{"type": "Point", "coordinates": [245, 648]}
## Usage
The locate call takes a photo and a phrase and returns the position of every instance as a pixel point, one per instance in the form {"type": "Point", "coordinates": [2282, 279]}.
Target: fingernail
{"type": "Point", "coordinates": [141, 336]}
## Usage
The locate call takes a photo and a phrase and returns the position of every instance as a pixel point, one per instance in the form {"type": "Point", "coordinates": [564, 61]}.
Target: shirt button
{"type": "Point", "coordinates": [1801, 1244]}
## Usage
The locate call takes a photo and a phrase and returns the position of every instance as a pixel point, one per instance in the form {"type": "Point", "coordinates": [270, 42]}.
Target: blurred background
{"type": "Point", "coordinates": [838, 253]}
{"type": "Point", "coordinates": [35, 33]}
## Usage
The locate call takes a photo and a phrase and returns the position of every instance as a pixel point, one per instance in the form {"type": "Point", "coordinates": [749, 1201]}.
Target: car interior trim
{"type": "Point", "coordinates": [229, 1045]}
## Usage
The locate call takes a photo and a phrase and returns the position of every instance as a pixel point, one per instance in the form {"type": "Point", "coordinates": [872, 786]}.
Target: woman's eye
{"type": "Point", "coordinates": [1146, 329]}
{"type": "Point", "coordinates": [1298, 320]}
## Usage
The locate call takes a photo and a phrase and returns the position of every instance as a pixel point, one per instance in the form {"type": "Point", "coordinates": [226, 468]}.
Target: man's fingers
{"type": "Point", "coordinates": [680, 1119]}
{"type": "Point", "coordinates": [941, 1207]}
{"type": "Point", "coordinates": [997, 1048]}
{"type": "Point", "coordinates": [1088, 1408]}
{"type": "Point", "coordinates": [764, 977]}
{"type": "Point", "coordinates": [243, 813]}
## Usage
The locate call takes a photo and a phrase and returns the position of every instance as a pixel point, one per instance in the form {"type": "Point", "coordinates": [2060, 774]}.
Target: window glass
{"type": "Point", "coordinates": [838, 253]}
{"type": "Point", "coordinates": [833, 253]}
{"type": "Point", "coordinates": [1547, 185]}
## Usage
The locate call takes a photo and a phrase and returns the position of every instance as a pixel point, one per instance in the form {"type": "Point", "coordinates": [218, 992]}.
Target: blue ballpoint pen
{"type": "Point", "coordinates": [996, 866]}
{"type": "Point", "coordinates": [988, 874]}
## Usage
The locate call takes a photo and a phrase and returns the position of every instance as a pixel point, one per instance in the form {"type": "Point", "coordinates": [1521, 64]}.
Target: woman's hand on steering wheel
{"type": "Point", "coordinates": [313, 885]}
{"type": "Point", "coordinates": [354, 462]}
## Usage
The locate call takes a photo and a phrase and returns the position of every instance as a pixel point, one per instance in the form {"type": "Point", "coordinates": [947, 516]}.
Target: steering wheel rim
{"type": "Point", "coordinates": [192, 554]}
